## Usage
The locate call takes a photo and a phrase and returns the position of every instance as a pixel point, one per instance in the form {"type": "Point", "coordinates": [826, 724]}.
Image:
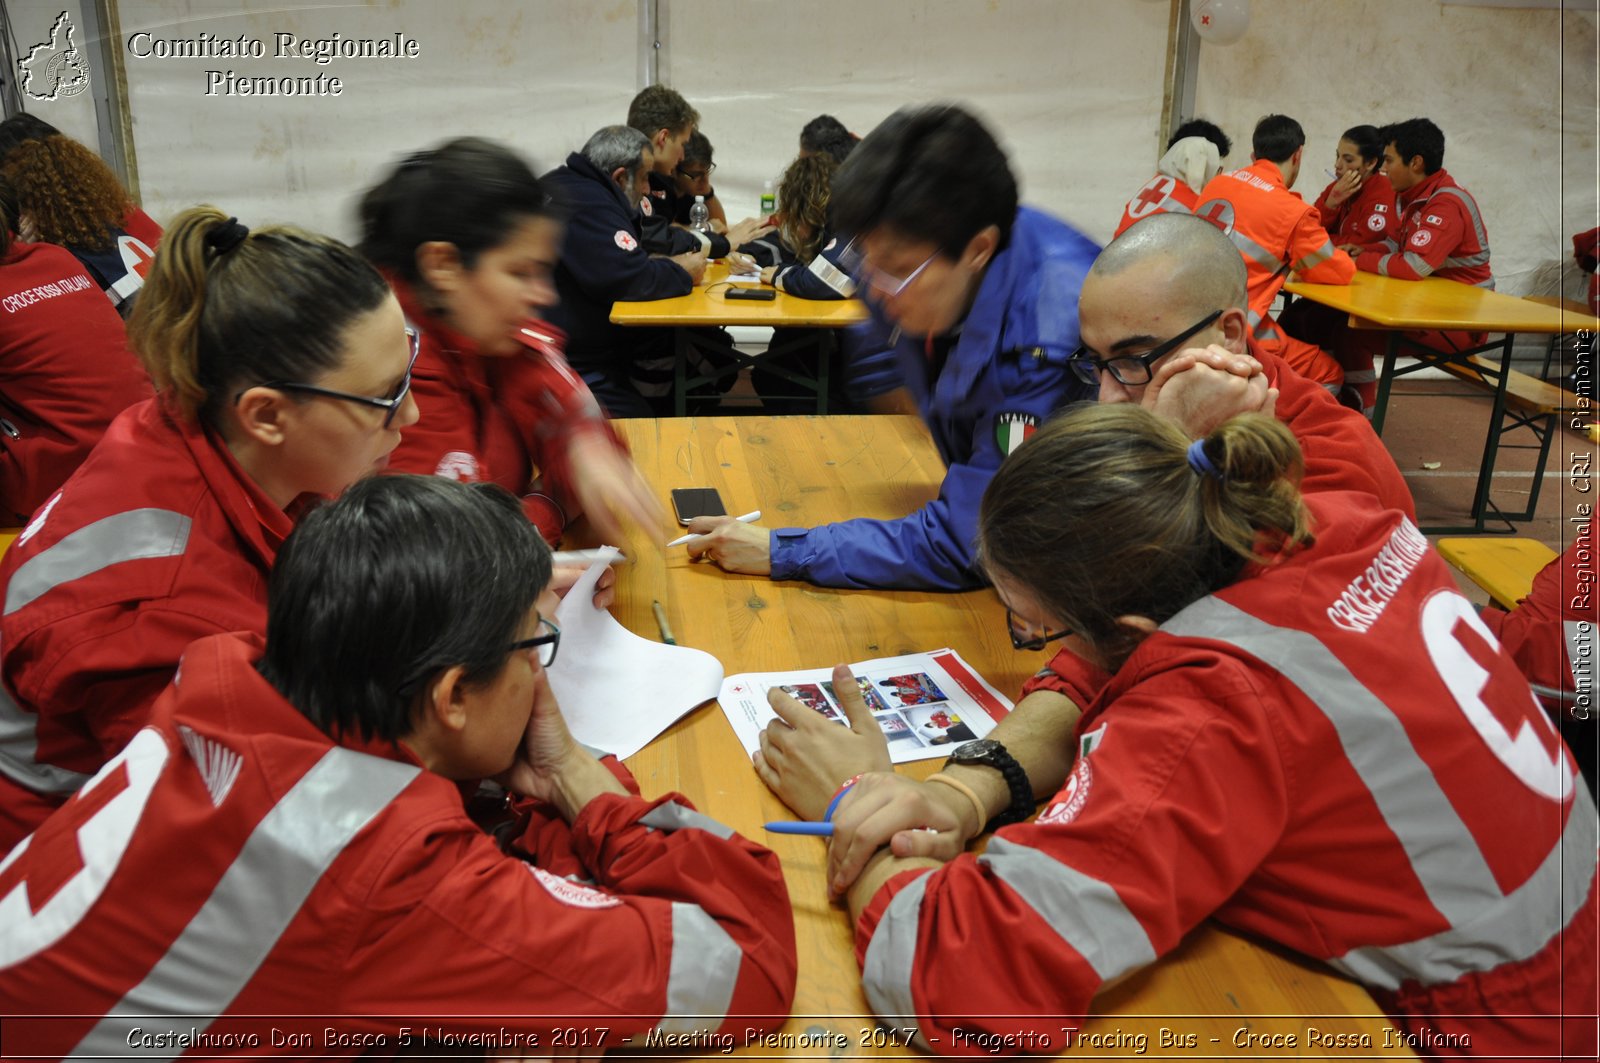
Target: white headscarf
{"type": "Point", "coordinates": [1192, 160]}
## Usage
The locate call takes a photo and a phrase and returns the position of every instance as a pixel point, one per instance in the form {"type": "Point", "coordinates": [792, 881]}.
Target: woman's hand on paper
{"type": "Point", "coordinates": [731, 546]}
{"type": "Point", "coordinates": [804, 757]}
{"type": "Point", "coordinates": [914, 819]}
{"type": "Point", "coordinates": [562, 577]}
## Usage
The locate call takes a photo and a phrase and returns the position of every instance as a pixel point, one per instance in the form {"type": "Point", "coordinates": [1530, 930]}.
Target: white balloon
{"type": "Point", "coordinates": [1220, 21]}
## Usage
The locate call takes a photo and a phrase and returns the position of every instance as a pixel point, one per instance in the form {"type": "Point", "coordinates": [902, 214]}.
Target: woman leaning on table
{"type": "Point", "coordinates": [282, 369]}
{"type": "Point", "coordinates": [1308, 735]}
{"type": "Point", "coordinates": [468, 237]}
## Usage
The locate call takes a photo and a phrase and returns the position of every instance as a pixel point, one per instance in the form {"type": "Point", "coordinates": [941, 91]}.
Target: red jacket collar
{"type": "Point", "coordinates": [257, 519]}
{"type": "Point", "coordinates": [1426, 187]}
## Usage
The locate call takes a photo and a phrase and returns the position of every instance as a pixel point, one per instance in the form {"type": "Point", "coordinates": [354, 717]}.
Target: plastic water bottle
{"type": "Point", "coordinates": [700, 215]}
{"type": "Point", "coordinates": [769, 202]}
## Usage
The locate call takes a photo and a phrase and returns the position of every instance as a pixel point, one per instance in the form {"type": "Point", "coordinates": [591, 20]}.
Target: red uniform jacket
{"type": "Point", "coordinates": [1331, 754]}
{"type": "Point", "coordinates": [1276, 231]}
{"type": "Point", "coordinates": [1160, 194]}
{"type": "Point", "coordinates": [1441, 234]}
{"type": "Point", "coordinates": [65, 372]}
{"type": "Point", "coordinates": [1342, 453]}
{"type": "Point", "coordinates": [1551, 632]}
{"type": "Point", "coordinates": [247, 866]}
{"type": "Point", "coordinates": [509, 421]}
{"type": "Point", "coordinates": [158, 539]}
{"type": "Point", "coordinates": [1368, 217]}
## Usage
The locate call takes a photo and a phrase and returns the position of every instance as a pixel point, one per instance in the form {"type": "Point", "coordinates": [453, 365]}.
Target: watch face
{"type": "Point", "coordinates": [977, 751]}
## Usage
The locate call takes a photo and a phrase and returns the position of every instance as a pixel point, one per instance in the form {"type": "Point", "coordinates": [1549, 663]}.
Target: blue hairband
{"type": "Point", "coordinates": [1200, 462]}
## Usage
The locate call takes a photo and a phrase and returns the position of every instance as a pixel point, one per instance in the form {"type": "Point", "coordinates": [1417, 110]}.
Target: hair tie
{"type": "Point", "coordinates": [227, 236]}
{"type": "Point", "coordinates": [1200, 462]}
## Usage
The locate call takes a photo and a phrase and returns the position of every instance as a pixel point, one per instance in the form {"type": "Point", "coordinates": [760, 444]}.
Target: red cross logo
{"type": "Point", "coordinates": [1218, 212]}
{"type": "Point", "coordinates": [1205, 20]}
{"type": "Point", "coordinates": [53, 858]}
{"type": "Point", "coordinates": [1150, 197]}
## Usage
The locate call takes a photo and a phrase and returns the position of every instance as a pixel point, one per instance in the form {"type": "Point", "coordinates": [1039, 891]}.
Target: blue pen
{"type": "Point", "coordinates": [800, 826]}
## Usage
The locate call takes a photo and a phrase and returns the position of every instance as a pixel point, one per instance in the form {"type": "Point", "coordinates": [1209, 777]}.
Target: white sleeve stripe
{"type": "Point", "coordinates": [833, 276]}
{"type": "Point", "coordinates": [891, 955]}
{"type": "Point", "coordinates": [705, 968]}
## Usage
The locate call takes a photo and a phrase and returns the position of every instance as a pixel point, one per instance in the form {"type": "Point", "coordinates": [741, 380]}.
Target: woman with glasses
{"type": "Point", "coordinates": [294, 866]}
{"type": "Point", "coordinates": [282, 367]}
{"type": "Point", "coordinates": [1309, 735]}
{"type": "Point", "coordinates": [469, 237]}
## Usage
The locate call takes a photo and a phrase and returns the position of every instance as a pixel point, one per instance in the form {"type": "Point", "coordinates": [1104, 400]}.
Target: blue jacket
{"type": "Point", "coordinates": [1006, 373]}
{"type": "Point", "coordinates": [824, 277]}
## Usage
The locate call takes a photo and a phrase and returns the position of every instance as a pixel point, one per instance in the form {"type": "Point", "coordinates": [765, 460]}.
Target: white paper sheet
{"type": "Point", "coordinates": [926, 703]}
{"type": "Point", "coordinates": [617, 690]}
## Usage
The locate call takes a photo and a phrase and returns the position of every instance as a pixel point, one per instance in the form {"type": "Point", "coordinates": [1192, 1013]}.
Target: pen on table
{"type": "Point", "coordinates": [800, 826]}
{"type": "Point", "coordinates": [661, 622]}
{"type": "Point", "coordinates": [583, 557]}
{"type": "Point", "coordinates": [754, 514]}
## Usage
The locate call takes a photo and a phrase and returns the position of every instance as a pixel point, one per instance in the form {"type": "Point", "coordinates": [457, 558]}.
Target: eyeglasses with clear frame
{"type": "Point", "coordinates": [887, 285]}
{"type": "Point", "coordinates": [1131, 370]}
{"type": "Point", "coordinates": [546, 644]}
{"type": "Point", "coordinates": [389, 404]}
{"type": "Point", "coordinates": [690, 175]}
{"type": "Point", "coordinates": [1026, 635]}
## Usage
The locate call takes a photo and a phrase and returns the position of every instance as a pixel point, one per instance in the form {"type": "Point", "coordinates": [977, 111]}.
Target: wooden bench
{"type": "Point", "coordinates": [1534, 404]}
{"type": "Point", "coordinates": [1502, 567]}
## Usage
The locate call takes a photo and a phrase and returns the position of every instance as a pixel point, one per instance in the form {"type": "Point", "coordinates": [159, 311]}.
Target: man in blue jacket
{"type": "Point", "coordinates": [603, 259]}
{"type": "Point", "coordinates": [974, 315]}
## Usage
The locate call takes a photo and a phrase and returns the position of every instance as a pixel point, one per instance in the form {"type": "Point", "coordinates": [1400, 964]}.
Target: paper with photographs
{"type": "Point", "coordinates": [926, 703]}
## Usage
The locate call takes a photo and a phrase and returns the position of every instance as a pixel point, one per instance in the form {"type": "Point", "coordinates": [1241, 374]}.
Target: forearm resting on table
{"type": "Point", "coordinates": [1038, 733]}
{"type": "Point", "coordinates": [879, 870]}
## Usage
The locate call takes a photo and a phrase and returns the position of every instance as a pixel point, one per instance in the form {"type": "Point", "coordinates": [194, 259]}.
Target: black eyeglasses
{"type": "Point", "coordinates": [1132, 369]}
{"type": "Point", "coordinates": [391, 404]}
{"type": "Point", "coordinates": [690, 175]}
{"type": "Point", "coordinates": [1025, 635]}
{"type": "Point", "coordinates": [547, 645]}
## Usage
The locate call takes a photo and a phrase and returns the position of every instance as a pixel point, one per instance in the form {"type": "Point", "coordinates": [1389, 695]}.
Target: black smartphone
{"type": "Point", "coordinates": [691, 502]}
{"type": "Point", "coordinates": [764, 295]}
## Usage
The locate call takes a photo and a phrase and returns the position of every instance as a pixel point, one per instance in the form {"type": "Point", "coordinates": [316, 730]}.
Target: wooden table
{"type": "Point", "coordinates": [1436, 304]}
{"type": "Point", "coordinates": [810, 470]}
{"type": "Point", "coordinates": [709, 306]}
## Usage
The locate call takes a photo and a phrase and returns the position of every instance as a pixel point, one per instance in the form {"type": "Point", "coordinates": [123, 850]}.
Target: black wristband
{"type": "Point", "coordinates": [988, 752]}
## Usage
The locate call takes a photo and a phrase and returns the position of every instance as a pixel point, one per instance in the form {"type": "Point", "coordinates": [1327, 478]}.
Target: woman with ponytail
{"type": "Point", "coordinates": [1307, 735]}
{"type": "Point", "coordinates": [282, 370]}
{"type": "Point", "coordinates": [469, 238]}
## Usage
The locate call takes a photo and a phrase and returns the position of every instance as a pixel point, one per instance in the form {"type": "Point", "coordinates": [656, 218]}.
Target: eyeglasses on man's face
{"type": "Point", "coordinates": [697, 175]}
{"type": "Point", "coordinates": [541, 647]}
{"type": "Point", "coordinates": [1132, 370]}
{"type": "Point", "coordinates": [390, 404]}
{"type": "Point", "coordinates": [1026, 635]}
{"type": "Point", "coordinates": [885, 284]}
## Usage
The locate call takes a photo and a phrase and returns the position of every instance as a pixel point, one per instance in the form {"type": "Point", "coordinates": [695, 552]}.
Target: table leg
{"type": "Point", "coordinates": [1385, 381]}
{"type": "Point", "coordinates": [822, 371]}
{"type": "Point", "coordinates": [1491, 445]}
{"type": "Point", "coordinates": [680, 371]}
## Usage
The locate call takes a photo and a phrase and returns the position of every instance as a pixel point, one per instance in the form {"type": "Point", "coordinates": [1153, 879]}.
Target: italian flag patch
{"type": "Point", "coordinates": [1011, 429]}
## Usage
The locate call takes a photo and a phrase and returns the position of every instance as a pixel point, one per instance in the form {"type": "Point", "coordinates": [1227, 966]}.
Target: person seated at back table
{"type": "Point", "coordinates": [973, 320]}
{"type": "Point", "coordinates": [693, 178]}
{"type": "Point", "coordinates": [667, 120]}
{"type": "Point", "coordinates": [310, 782]}
{"type": "Point", "coordinates": [826, 135]}
{"type": "Point", "coordinates": [65, 368]}
{"type": "Point", "coordinates": [68, 196]}
{"type": "Point", "coordinates": [282, 366]}
{"type": "Point", "coordinates": [469, 238]}
{"type": "Point", "coordinates": [1272, 713]}
{"type": "Point", "coordinates": [1356, 207]}
{"type": "Point", "coordinates": [1440, 233]}
{"type": "Point", "coordinates": [603, 260]}
{"type": "Point", "coordinates": [1194, 156]}
{"type": "Point", "coordinates": [804, 258]}
{"type": "Point", "coordinates": [1277, 233]}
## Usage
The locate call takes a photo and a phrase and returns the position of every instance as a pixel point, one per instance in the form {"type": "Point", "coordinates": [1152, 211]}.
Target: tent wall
{"type": "Point", "coordinates": [1074, 87]}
